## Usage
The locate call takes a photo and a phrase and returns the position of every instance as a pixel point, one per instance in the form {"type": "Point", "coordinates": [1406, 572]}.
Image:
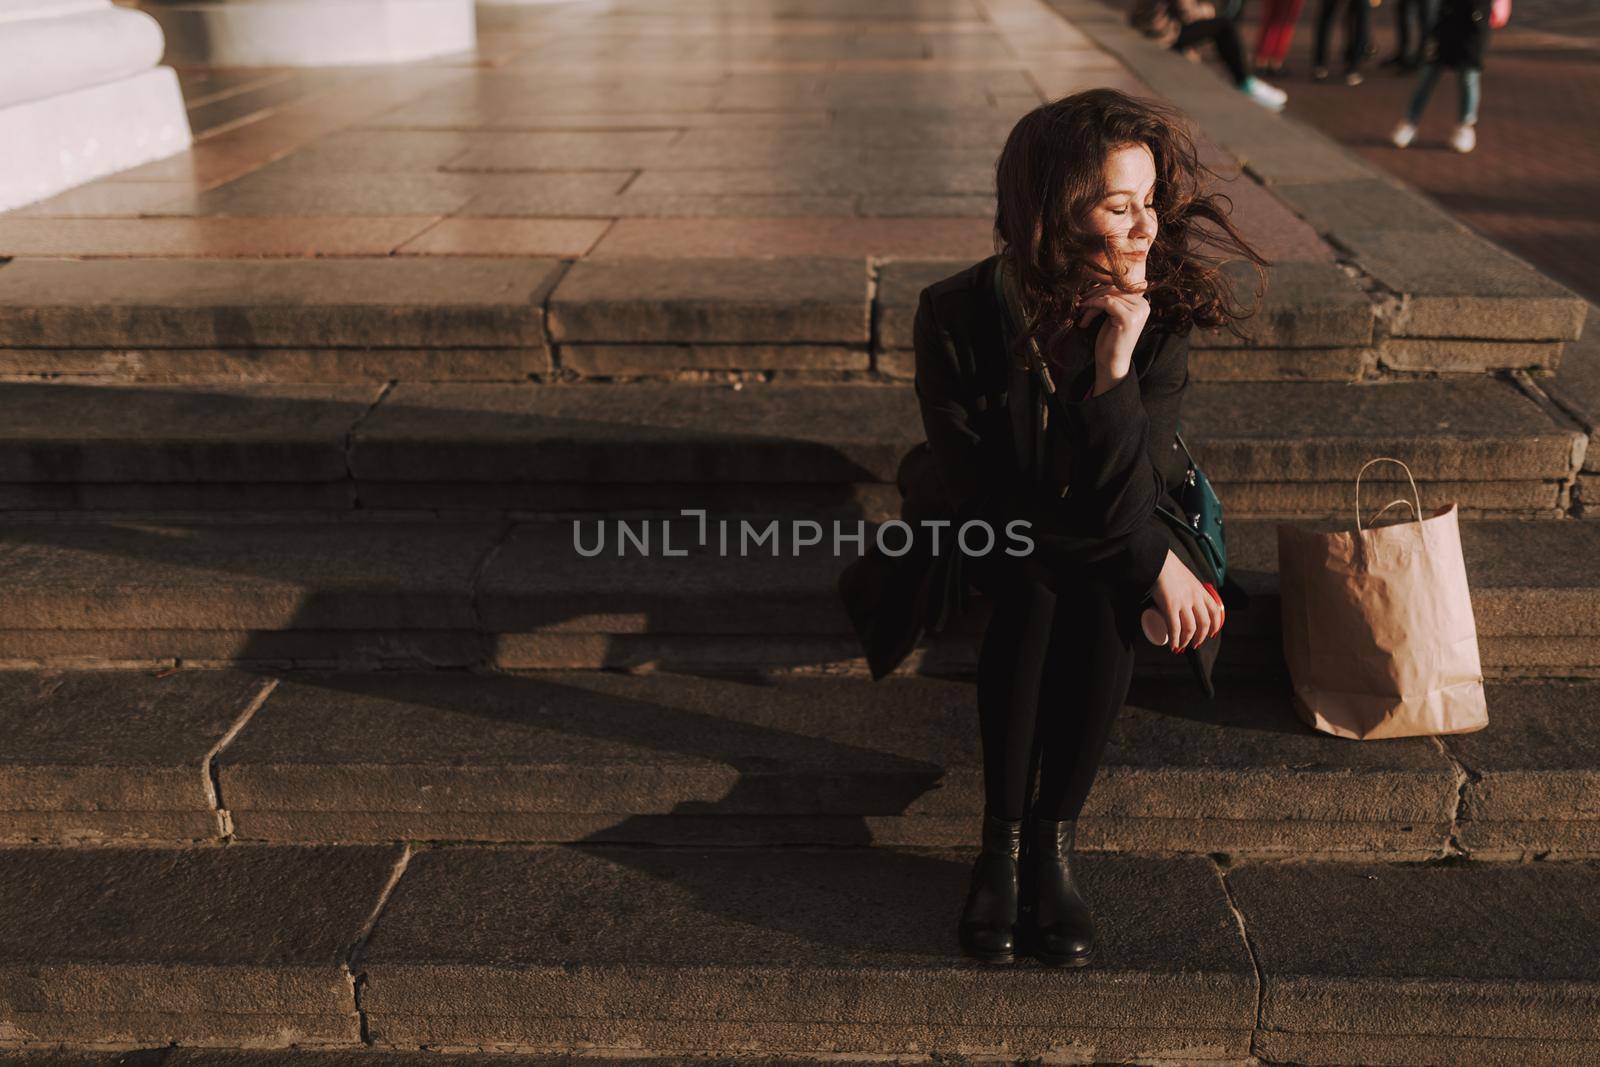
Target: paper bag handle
{"type": "Point", "coordinates": [1416, 511]}
{"type": "Point", "coordinates": [1392, 503]}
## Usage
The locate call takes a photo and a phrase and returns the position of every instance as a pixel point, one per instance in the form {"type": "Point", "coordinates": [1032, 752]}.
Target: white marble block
{"type": "Point", "coordinates": [81, 96]}
{"type": "Point", "coordinates": [312, 33]}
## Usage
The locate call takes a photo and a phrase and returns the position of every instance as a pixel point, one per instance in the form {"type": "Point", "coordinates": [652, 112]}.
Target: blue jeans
{"type": "Point", "coordinates": [1467, 77]}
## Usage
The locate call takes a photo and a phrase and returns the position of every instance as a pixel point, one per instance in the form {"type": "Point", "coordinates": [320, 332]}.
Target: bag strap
{"type": "Point", "coordinates": [1035, 358]}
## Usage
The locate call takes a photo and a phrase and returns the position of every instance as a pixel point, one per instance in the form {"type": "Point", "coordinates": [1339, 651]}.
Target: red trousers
{"type": "Point", "coordinates": [1277, 27]}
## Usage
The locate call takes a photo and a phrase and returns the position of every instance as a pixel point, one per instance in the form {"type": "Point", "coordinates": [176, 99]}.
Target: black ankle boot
{"type": "Point", "coordinates": [989, 917]}
{"type": "Point", "coordinates": [1061, 929]}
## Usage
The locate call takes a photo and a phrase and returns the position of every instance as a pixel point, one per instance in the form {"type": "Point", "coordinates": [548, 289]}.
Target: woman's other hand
{"type": "Point", "coordinates": [1122, 316]}
{"type": "Point", "coordinates": [1189, 610]}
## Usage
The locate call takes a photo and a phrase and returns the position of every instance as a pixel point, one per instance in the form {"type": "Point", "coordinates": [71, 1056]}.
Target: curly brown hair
{"type": "Point", "coordinates": [1051, 174]}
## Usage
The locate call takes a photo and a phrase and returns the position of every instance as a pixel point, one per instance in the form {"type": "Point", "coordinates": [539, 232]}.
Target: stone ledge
{"type": "Point", "coordinates": [1576, 388]}
{"type": "Point", "coordinates": [1457, 285]}
{"type": "Point", "coordinates": [573, 756]}
{"type": "Point", "coordinates": [144, 944]}
{"type": "Point", "coordinates": [759, 941]}
{"type": "Point", "coordinates": [228, 367]}
{"type": "Point", "coordinates": [243, 577]}
{"type": "Point", "coordinates": [308, 303]}
{"type": "Point", "coordinates": [391, 590]}
{"type": "Point", "coordinates": [799, 300]}
{"type": "Point", "coordinates": [97, 755]}
{"type": "Point", "coordinates": [1405, 952]}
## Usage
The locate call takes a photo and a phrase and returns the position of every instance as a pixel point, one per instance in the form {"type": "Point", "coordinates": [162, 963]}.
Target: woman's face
{"type": "Point", "coordinates": [1126, 214]}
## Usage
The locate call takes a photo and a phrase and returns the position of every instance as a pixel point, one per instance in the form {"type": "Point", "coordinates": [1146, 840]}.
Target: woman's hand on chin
{"type": "Point", "coordinates": [1122, 316]}
{"type": "Point", "coordinates": [1190, 612]}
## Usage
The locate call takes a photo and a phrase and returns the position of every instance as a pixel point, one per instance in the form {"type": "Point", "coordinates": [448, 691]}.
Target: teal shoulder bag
{"type": "Point", "coordinates": [1201, 517]}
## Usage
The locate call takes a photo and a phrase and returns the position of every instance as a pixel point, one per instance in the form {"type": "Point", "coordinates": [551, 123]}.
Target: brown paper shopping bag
{"type": "Point", "coordinates": [1378, 629]}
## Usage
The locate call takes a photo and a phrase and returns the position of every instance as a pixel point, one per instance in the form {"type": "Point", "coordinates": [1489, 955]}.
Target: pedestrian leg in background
{"type": "Point", "coordinates": [1358, 35]}
{"type": "Point", "coordinates": [1224, 34]}
{"type": "Point", "coordinates": [1406, 132]}
{"type": "Point", "coordinates": [1327, 11]}
{"type": "Point", "coordinates": [1277, 30]}
{"type": "Point", "coordinates": [1465, 137]}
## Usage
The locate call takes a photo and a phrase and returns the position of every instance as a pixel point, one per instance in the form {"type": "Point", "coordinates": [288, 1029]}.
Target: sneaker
{"type": "Point", "coordinates": [1403, 134]}
{"type": "Point", "coordinates": [1319, 74]}
{"type": "Point", "coordinates": [1353, 77]}
{"type": "Point", "coordinates": [1268, 96]}
{"type": "Point", "coordinates": [1464, 139]}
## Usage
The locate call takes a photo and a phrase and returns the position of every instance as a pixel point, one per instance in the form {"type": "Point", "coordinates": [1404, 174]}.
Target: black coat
{"type": "Point", "coordinates": [1460, 34]}
{"type": "Point", "coordinates": [989, 462]}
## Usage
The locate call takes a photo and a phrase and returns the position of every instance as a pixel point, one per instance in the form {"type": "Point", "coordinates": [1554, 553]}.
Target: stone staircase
{"type": "Point", "coordinates": [320, 743]}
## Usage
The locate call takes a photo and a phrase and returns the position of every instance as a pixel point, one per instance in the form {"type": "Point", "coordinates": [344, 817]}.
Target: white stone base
{"type": "Point", "coordinates": [60, 141]}
{"type": "Point", "coordinates": [313, 33]}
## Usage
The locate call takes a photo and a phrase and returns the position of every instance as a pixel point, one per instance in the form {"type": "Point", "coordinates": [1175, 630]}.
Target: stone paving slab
{"type": "Point", "coordinates": [281, 189]}
{"type": "Point", "coordinates": [120, 238]}
{"type": "Point", "coordinates": [145, 944]}
{"type": "Point", "coordinates": [565, 238]}
{"type": "Point", "coordinates": [396, 302]}
{"type": "Point", "coordinates": [1338, 208]}
{"type": "Point", "coordinates": [477, 945]}
{"type": "Point", "coordinates": [795, 300]}
{"type": "Point", "coordinates": [1427, 953]}
{"type": "Point", "coordinates": [290, 575]}
{"type": "Point", "coordinates": [679, 759]}
{"type": "Point", "coordinates": [1532, 787]}
{"type": "Point", "coordinates": [962, 241]}
{"type": "Point", "coordinates": [119, 755]}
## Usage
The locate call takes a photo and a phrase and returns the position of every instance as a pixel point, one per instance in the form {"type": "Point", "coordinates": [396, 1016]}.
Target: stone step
{"type": "Point", "coordinates": [521, 595]}
{"type": "Point", "coordinates": [792, 951]}
{"type": "Point", "coordinates": [664, 758]}
{"type": "Point", "coordinates": [1272, 449]}
{"type": "Point", "coordinates": [504, 319]}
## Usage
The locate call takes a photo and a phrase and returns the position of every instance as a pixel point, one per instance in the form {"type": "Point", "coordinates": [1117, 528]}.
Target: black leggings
{"type": "Point", "coordinates": [1226, 36]}
{"type": "Point", "coordinates": [1053, 671]}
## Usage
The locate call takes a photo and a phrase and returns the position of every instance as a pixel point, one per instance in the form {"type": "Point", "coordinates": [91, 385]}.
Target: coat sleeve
{"type": "Point", "coordinates": [956, 445]}
{"type": "Point", "coordinates": [1122, 458]}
